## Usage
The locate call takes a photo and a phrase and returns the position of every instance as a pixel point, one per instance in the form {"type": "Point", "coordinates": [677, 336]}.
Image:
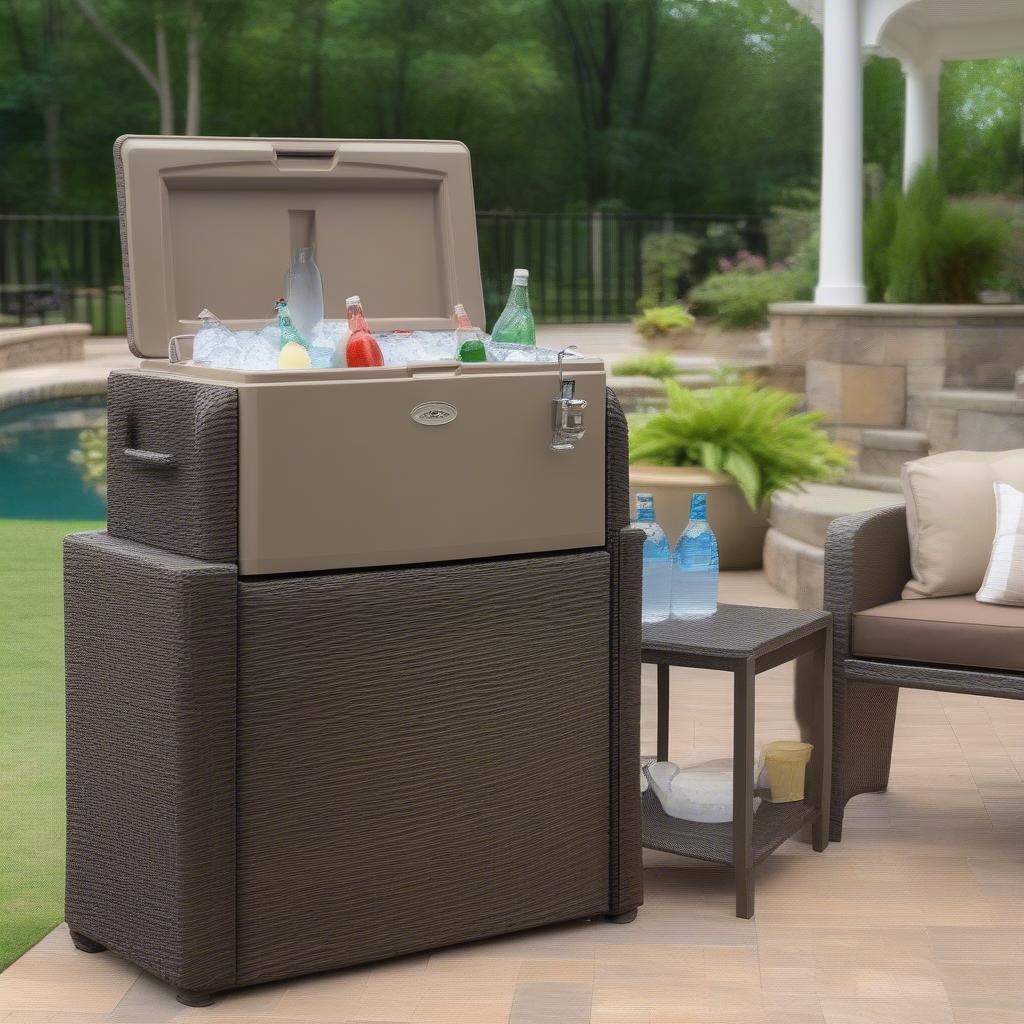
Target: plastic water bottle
{"type": "Point", "coordinates": [515, 325]}
{"type": "Point", "coordinates": [657, 559]}
{"type": "Point", "coordinates": [695, 565]}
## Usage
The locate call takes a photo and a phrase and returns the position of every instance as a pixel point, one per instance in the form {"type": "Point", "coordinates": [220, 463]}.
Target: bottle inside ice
{"type": "Point", "coordinates": [515, 324]}
{"type": "Point", "coordinates": [469, 340]}
{"type": "Point", "coordinates": [304, 293]}
{"type": "Point", "coordinates": [362, 348]}
{"type": "Point", "coordinates": [656, 601]}
{"type": "Point", "coordinates": [293, 354]}
{"type": "Point", "coordinates": [695, 565]}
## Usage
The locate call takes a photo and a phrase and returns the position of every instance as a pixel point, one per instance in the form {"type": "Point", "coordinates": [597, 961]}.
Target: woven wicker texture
{"type": "Point", "coordinates": [191, 506]}
{"type": "Point", "coordinates": [734, 631]}
{"type": "Point", "coordinates": [616, 492]}
{"type": "Point", "coordinates": [950, 679]}
{"type": "Point", "coordinates": [627, 884]}
{"type": "Point", "coordinates": [422, 758]}
{"type": "Point", "coordinates": [773, 825]}
{"type": "Point", "coordinates": [150, 662]}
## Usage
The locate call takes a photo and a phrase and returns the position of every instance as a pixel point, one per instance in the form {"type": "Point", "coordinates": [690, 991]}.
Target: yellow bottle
{"type": "Point", "coordinates": [293, 357]}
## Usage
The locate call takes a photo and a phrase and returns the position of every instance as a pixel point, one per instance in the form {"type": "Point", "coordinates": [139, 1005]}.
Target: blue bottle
{"type": "Point", "coordinates": [695, 566]}
{"type": "Point", "coordinates": [657, 557]}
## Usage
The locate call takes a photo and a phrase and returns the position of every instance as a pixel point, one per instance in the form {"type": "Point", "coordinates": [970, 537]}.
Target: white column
{"type": "Point", "coordinates": [841, 270]}
{"type": "Point", "coordinates": [921, 119]}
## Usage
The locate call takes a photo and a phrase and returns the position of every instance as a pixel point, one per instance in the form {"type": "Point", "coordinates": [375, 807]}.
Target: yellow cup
{"type": "Point", "coordinates": [786, 764]}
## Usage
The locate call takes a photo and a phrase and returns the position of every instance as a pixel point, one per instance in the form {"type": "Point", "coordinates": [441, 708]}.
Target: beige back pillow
{"type": "Point", "coordinates": [951, 518]}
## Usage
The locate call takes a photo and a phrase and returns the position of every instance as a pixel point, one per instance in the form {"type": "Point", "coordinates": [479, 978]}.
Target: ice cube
{"type": "Point", "coordinates": [259, 349]}
{"type": "Point", "coordinates": [321, 358]}
{"type": "Point", "coordinates": [213, 343]}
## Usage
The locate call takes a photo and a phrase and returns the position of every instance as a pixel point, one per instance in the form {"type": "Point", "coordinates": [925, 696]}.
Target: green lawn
{"type": "Point", "coordinates": [31, 732]}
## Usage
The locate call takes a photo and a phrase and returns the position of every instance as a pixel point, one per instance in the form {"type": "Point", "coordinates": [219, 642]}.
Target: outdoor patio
{"type": "Point", "coordinates": [915, 918]}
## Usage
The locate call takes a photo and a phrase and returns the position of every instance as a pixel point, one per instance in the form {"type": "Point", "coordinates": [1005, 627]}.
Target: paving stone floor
{"type": "Point", "coordinates": [917, 917]}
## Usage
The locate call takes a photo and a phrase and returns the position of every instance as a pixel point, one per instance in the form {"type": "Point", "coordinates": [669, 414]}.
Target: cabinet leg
{"type": "Point", "coordinates": [663, 712]}
{"type": "Point", "coordinates": [743, 788]}
{"type": "Point", "coordinates": [627, 918]}
{"type": "Point", "coordinates": [85, 944]}
{"type": "Point", "coordinates": [187, 998]}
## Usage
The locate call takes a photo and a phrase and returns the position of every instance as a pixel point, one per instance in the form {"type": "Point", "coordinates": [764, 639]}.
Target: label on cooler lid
{"type": "Point", "coordinates": [434, 414]}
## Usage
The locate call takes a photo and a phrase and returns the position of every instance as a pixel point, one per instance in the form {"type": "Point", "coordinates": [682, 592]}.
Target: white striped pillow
{"type": "Point", "coordinates": [1004, 580]}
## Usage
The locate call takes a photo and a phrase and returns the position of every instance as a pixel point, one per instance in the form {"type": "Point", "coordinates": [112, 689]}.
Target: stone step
{"type": "Point", "coordinates": [874, 482]}
{"type": "Point", "coordinates": [805, 514]}
{"type": "Point", "coordinates": [914, 442]}
{"type": "Point", "coordinates": [883, 452]}
{"type": "Point", "coordinates": [794, 547]}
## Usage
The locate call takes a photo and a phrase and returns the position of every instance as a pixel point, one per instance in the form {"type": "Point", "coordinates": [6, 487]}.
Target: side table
{"type": "Point", "coordinates": [746, 640]}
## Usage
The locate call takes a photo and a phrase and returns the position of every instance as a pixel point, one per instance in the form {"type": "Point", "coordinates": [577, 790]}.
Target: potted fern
{"type": "Point", "coordinates": [740, 444]}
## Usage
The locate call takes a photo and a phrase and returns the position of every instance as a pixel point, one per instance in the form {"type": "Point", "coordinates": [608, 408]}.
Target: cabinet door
{"type": "Point", "coordinates": [423, 758]}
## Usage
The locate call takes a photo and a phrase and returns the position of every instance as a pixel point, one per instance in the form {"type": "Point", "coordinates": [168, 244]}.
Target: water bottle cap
{"type": "Point", "coordinates": [352, 299]}
{"type": "Point", "coordinates": [644, 496]}
{"type": "Point", "coordinates": [520, 276]}
{"type": "Point", "coordinates": [699, 506]}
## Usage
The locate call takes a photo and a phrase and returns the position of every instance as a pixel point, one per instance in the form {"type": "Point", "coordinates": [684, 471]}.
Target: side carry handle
{"type": "Point", "coordinates": [156, 460]}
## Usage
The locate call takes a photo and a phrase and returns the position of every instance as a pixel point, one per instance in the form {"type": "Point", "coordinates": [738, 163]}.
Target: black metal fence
{"type": "Point", "coordinates": [583, 266]}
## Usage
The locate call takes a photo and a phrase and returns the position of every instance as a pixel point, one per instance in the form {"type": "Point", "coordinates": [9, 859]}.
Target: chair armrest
{"type": "Point", "coordinates": [867, 563]}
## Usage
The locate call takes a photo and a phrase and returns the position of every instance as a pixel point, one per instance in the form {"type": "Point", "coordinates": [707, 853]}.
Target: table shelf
{"type": "Point", "coordinates": [773, 825]}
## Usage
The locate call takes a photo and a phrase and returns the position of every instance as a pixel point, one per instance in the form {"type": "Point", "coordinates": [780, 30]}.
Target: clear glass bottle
{"type": "Point", "coordinates": [695, 565]}
{"type": "Point", "coordinates": [515, 325]}
{"type": "Point", "coordinates": [469, 340]}
{"type": "Point", "coordinates": [304, 293]}
{"type": "Point", "coordinates": [657, 563]}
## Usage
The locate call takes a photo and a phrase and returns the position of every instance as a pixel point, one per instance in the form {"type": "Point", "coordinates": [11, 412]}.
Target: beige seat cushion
{"type": "Point", "coordinates": [942, 631]}
{"type": "Point", "coordinates": [951, 518]}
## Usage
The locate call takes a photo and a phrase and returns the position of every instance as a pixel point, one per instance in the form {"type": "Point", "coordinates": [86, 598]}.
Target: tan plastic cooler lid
{"type": "Point", "coordinates": [214, 221]}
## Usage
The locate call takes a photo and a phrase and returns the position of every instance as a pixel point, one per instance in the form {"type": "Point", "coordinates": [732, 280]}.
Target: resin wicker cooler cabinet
{"type": "Point", "coordinates": [292, 749]}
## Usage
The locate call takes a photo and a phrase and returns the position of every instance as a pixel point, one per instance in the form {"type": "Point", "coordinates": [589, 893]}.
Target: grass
{"type": "Point", "coordinates": [31, 732]}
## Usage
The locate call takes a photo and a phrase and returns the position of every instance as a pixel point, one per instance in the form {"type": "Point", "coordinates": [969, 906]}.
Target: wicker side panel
{"type": "Point", "coordinates": [627, 885]}
{"type": "Point", "coordinates": [191, 506]}
{"type": "Point", "coordinates": [616, 466]}
{"type": "Point", "coordinates": [422, 758]}
{"type": "Point", "coordinates": [150, 668]}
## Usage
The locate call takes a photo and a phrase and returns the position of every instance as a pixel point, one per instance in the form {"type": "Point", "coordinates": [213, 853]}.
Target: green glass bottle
{"type": "Point", "coordinates": [515, 325]}
{"type": "Point", "coordinates": [470, 339]}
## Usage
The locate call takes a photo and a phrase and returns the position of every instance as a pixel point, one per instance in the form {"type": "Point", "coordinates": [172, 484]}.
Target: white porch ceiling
{"type": "Point", "coordinates": [925, 30]}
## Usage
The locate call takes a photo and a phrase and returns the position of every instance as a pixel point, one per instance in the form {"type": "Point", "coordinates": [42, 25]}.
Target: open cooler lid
{"type": "Point", "coordinates": [213, 222]}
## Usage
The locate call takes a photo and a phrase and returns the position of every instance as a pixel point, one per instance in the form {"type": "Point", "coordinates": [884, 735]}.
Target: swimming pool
{"type": "Point", "coordinates": [38, 480]}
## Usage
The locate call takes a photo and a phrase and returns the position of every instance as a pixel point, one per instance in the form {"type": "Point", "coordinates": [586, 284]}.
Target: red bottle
{"type": "Point", "coordinates": [362, 348]}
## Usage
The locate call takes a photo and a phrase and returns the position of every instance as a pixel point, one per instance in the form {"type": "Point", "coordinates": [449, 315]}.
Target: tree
{"type": "Point", "coordinates": [609, 47]}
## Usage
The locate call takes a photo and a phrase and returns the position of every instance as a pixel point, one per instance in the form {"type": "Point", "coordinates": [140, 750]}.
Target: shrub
{"type": "Point", "coordinates": [91, 458]}
{"type": "Point", "coordinates": [661, 320]}
{"type": "Point", "coordinates": [746, 432]}
{"type": "Point", "coordinates": [741, 298]}
{"type": "Point", "coordinates": [919, 247]}
{"type": "Point", "coordinates": [659, 365]}
{"type": "Point", "coordinates": [665, 260]}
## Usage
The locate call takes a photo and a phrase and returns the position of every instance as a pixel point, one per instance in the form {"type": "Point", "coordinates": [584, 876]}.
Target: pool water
{"type": "Point", "coordinates": [37, 478]}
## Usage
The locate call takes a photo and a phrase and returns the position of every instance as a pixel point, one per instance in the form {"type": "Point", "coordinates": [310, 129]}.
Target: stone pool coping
{"type": "Point", "coordinates": [77, 378]}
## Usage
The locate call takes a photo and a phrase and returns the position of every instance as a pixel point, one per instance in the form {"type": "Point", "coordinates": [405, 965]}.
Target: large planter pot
{"type": "Point", "coordinates": [740, 530]}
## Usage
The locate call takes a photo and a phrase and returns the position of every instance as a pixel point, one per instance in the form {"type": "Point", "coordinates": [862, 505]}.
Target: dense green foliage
{"type": "Point", "coordinates": [32, 713]}
{"type": "Point", "coordinates": [745, 431]}
{"type": "Point", "coordinates": [661, 320]}
{"type": "Point", "coordinates": [687, 105]}
{"type": "Point", "coordinates": [919, 247]}
{"type": "Point", "coordinates": [91, 458]}
{"type": "Point", "coordinates": [659, 365]}
{"type": "Point", "coordinates": [666, 260]}
{"type": "Point", "coordinates": [740, 298]}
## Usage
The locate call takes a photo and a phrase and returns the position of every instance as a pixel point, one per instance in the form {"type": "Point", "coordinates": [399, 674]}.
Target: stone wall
{"type": "Point", "coordinates": [51, 343]}
{"type": "Point", "coordinates": [890, 367]}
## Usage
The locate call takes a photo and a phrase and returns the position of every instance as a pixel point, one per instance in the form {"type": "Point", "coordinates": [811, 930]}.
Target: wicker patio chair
{"type": "Point", "coordinates": [882, 643]}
